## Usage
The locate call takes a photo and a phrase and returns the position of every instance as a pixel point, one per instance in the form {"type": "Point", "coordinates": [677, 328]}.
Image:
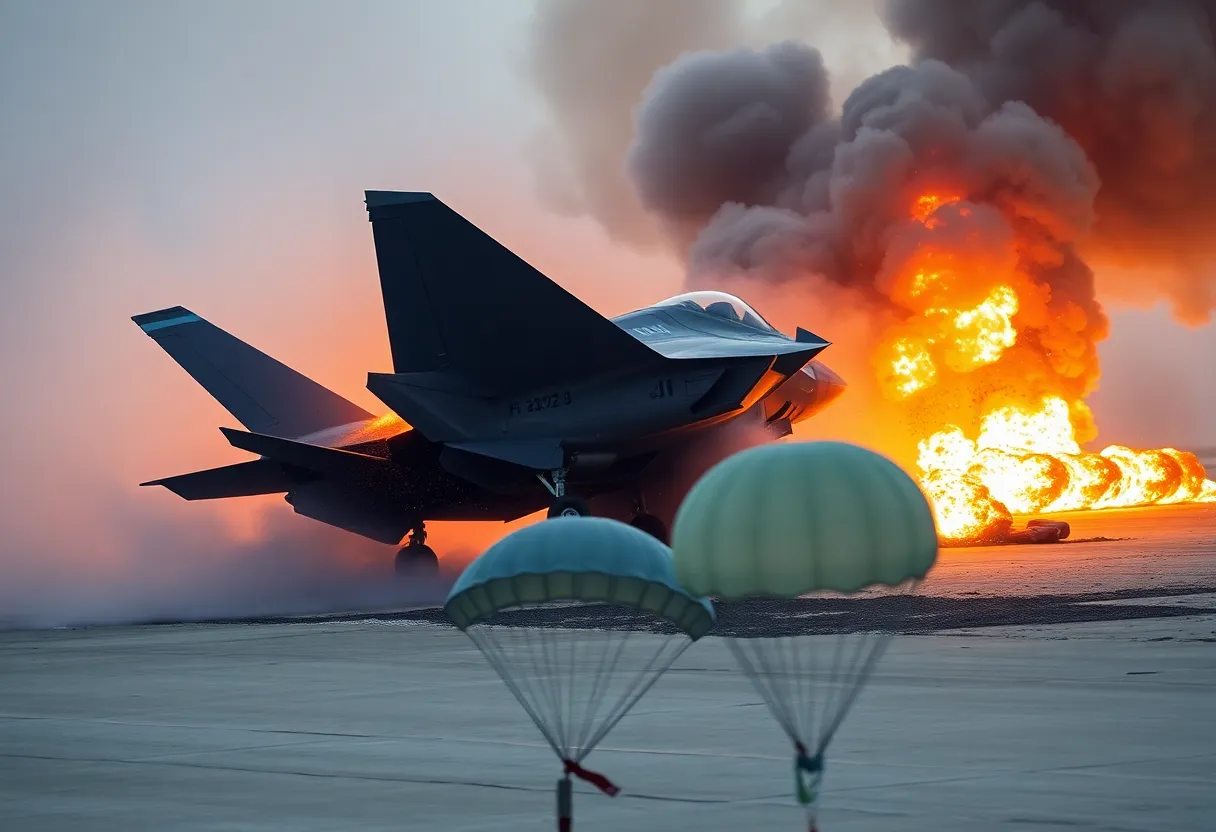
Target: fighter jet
{"type": "Point", "coordinates": [508, 395]}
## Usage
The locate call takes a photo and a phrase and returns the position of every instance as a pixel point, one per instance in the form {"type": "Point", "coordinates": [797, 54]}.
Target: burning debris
{"type": "Point", "coordinates": [960, 198]}
{"type": "Point", "coordinates": [1036, 532]}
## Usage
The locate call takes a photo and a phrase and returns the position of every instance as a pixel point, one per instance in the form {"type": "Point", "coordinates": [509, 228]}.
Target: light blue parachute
{"type": "Point", "coordinates": [596, 561]}
{"type": "Point", "coordinates": [579, 616]}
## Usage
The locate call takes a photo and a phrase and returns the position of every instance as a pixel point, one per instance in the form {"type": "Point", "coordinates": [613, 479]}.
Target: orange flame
{"type": "Point", "coordinates": [1025, 457]}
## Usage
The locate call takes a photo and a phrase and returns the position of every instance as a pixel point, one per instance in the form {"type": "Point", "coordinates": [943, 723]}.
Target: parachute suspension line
{"type": "Point", "coordinates": [765, 686]}
{"type": "Point", "coordinates": [808, 696]}
{"type": "Point", "coordinates": [599, 692]}
{"type": "Point", "coordinates": [808, 700]}
{"type": "Point", "coordinates": [834, 681]}
{"type": "Point", "coordinates": [570, 705]}
{"type": "Point", "coordinates": [542, 646]}
{"type": "Point", "coordinates": [537, 685]}
{"type": "Point", "coordinates": [574, 695]}
{"type": "Point", "coordinates": [490, 646]}
{"type": "Point", "coordinates": [640, 685]}
{"type": "Point", "coordinates": [855, 680]}
{"type": "Point", "coordinates": [871, 647]}
{"type": "Point", "coordinates": [564, 691]}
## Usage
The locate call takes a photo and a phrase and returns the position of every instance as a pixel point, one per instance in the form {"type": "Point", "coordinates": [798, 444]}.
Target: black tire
{"type": "Point", "coordinates": [653, 526]}
{"type": "Point", "coordinates": [416, 562]}
{"type": "Point", "coordinates": [569, 506]}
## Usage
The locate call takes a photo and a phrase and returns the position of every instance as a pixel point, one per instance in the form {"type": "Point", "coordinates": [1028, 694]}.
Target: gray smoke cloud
{"type": "Point", "coordinates": [590, 62]}
{"type": "Point", "coordinates": [717, 128]}
{"type": "Point", "coordinates": [765, 173]}
{"type": "Point", "coordinates": [1067, 134]}
{"type": "Point", "coordinates": [742, 145]}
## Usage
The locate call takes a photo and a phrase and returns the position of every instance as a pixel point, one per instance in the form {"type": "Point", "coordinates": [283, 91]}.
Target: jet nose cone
{"type": "Point", "coordinates": [825, 375]}
{"type": "Point", "coordinates": [828, 385]}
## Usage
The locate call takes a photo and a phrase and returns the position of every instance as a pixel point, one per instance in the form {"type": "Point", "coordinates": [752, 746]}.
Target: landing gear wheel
{"type": "Point", "coordinates": [652, 525]}
{"type": "Point", "coordinates": [416, 561]}
{"type": "Point", "coordinates": [569, 506]}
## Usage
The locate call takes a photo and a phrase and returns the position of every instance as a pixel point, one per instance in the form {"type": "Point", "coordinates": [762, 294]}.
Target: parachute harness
{"type": "Point", "coordinates": [593, 777]}
{"type": "Point", "coordinates": [808, 771]}
{"type": "Point", "coordinates": [809, 691]}
{"type": "Point", "coordinates": [575, 686]}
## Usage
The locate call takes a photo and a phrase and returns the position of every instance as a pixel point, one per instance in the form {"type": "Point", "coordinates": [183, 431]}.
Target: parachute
{"type": "Point", "coordinates": [577, 684]}
{"type": "Point", "coordinates": [798, 519]}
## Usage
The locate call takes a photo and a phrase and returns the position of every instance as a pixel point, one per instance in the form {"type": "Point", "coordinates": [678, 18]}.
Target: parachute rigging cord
{"type": "Point", "coordinates": [576, 685]}
{"type": "Point", "coordinates": [810, 683]}
{"type": "Point", "coordinates": [809, 695]}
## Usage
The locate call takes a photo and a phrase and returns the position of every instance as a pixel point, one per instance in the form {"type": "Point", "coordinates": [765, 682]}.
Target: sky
{"type": "Point", "coordinates": [214, 155]}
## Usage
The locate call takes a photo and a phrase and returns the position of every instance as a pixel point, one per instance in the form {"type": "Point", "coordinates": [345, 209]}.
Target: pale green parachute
{"type": "Point", "coordinates": [798, 519]}
{"type": "Point", "coordinates": [576, 682]}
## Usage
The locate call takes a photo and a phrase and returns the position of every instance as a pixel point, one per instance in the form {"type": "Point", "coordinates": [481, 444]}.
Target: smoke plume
{"type": "Point", "coordinates": [1129, 87]}
{"type": "Point", "coordinates": [590, 61]}
{"type": "Point", "coordinates": [961, 199]}
{"type": "Point", "coordinates": [783, 193]}
{"type": "Point", "coordinates": [717, 128]}
{"type": "Point", "coordinates": [1134, 85]}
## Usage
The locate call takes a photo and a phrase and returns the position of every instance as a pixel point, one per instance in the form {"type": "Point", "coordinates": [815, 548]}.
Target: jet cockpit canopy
{"type": "Point", "coordinates": [722, 305]}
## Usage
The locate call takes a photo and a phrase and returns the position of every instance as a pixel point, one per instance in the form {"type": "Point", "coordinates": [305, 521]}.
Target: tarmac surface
{"type": "Point", "coordinates": [1055, 687]}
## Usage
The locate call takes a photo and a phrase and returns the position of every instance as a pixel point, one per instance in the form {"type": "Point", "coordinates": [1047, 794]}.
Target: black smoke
{"type": "Point", "coordinates": [739, 153]}
{"type": "Point", "coordinates": [1134, 85]}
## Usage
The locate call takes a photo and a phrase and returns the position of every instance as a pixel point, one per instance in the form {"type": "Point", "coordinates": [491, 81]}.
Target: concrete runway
{"type": "Point", "coordinates": [389, 722]}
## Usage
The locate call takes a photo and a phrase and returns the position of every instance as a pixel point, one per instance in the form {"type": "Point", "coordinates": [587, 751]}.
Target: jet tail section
{"type": "Point", "coordinates": [456, 300]}
{"type": "Point", "coordinates": [263, 394]}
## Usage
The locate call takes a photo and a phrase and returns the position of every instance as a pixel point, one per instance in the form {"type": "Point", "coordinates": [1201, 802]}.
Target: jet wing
{"type": "Point", "coordinates": [245, 479]}
{"type": "Point", "coordinates": [317, 458]}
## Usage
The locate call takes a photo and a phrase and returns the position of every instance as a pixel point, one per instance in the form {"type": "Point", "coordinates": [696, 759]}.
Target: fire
{"type": "Point", "coordinates": [911, 367]}
{"type": "Point", "coordinates": [1024, 456]}
{"type": "Point", "coordinates": [980, 334]}
{"type": "Point", "coordinates": [926, 204]}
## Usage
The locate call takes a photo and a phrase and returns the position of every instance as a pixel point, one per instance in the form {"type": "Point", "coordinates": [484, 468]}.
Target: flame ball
{"type": "Point", "coordinates": [793, 518]}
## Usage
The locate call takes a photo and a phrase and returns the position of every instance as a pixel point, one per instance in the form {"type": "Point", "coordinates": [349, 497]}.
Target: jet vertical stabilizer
{"type": "Point", "coordinates": [264, 395]}
{"type": "Point", "coordinates": [457, 301]}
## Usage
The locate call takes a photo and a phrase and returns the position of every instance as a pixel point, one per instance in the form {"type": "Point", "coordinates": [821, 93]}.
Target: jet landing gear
{"type": "Point", "coordinates": [415, 559]}
{"type": "Point", "coordinates": [564, 505]}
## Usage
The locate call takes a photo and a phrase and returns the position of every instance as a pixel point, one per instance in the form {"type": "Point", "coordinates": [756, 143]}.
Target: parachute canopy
{"type": "Point", "coordinates": [795, 519]}
{"type": "Point", "coordinates": [789, 519]}
{"type": "Point", "coordinates": [586, 560]}
{"type": "Point", "coordinates": [577, 682]}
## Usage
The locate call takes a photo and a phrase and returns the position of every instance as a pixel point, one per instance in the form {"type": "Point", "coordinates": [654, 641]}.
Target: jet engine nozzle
{"type": "Point", "coordinates": [804, 394]}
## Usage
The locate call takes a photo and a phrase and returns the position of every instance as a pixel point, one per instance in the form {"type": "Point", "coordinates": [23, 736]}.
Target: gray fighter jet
{"type": "Point", "coordinates": [516, 396]}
